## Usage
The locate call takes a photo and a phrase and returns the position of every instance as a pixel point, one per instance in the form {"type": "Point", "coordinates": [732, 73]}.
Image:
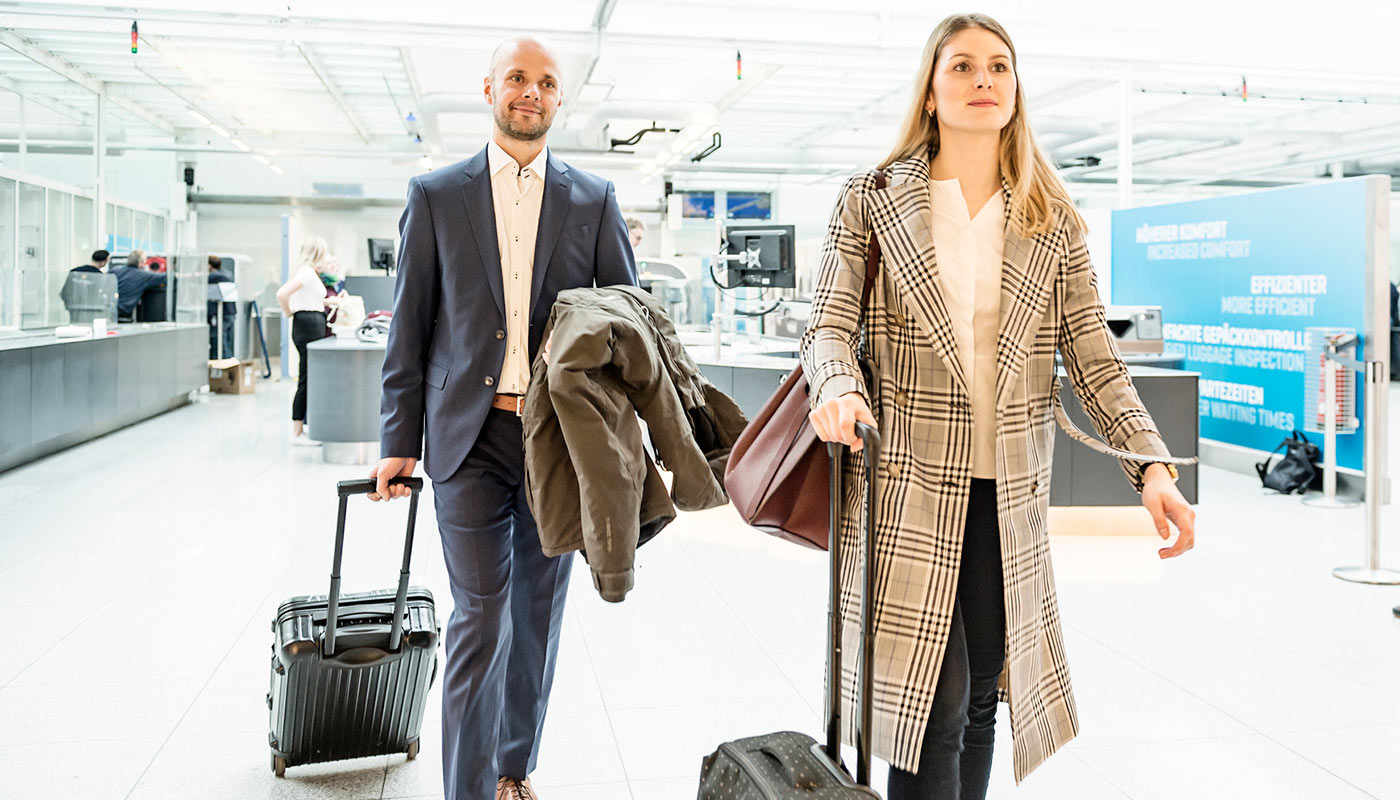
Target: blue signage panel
{"type": "Point", "coordinates": [1239, 280]}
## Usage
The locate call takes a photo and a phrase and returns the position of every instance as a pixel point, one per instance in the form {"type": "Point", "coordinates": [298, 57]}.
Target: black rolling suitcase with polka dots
{"type": "Point", "coordinates": [779, 766]}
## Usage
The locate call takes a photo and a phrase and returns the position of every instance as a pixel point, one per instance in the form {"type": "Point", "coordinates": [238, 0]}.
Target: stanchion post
{"type": "Point", "coordinates": [1371, 571]}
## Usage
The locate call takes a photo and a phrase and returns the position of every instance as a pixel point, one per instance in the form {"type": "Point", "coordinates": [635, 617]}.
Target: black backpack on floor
{"type": "Point", "coordinates": [1295, 471]}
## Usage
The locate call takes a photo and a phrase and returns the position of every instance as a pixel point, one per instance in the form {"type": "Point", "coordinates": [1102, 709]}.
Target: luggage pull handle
{"type": "Point", "coordinates": [870, 438]}
{"type": "Point", "coordinates": [364, 486]}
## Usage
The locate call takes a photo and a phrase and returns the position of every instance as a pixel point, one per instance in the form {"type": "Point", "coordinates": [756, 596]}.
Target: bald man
{"type": "Point", "coordinates": [487, 245]}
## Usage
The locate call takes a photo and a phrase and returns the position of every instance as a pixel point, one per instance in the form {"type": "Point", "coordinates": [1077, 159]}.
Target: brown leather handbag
{"type": "Point", "coordinates": [778, 475]}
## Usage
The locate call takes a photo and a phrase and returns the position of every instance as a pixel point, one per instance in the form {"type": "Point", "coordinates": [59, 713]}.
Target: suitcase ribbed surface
{"type": "Point", "coordinates": [363, 702]}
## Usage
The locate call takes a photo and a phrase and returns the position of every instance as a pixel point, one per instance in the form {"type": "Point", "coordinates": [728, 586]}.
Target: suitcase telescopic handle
{"type": "Point", "coordinates": [367, 485]}
{"type": "Point", "coordinates": [870, 441]}
{"type": "Point", "coordinates": [364, 486]}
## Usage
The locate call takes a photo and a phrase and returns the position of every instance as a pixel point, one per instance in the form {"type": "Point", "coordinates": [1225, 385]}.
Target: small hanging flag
{"type": "Point", "coordinates": [133, 36]}
{"type": "Point", "coordinates": [738, 66]}
{"type": "Point", "coordinates": [1244, 89]}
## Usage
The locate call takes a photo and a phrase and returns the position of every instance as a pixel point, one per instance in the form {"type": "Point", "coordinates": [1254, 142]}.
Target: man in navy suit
{"type": "Point", "coordinates": [487, 245]}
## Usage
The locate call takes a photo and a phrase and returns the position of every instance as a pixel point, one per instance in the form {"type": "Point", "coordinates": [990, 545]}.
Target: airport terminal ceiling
{"type": "Point", "coordinates": [1217, 93]}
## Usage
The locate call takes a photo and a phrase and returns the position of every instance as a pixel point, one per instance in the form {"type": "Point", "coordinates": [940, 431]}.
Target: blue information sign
{"type": "Point", "coordinates": [1239, 280]}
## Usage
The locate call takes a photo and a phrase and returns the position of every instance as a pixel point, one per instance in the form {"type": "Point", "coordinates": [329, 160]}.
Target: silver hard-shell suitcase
{"type": "Point", "coordinates": [351, 673]}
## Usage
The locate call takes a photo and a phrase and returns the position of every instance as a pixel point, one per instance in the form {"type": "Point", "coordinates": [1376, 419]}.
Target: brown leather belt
{"type": "Point", "coordinates": [509, 402]}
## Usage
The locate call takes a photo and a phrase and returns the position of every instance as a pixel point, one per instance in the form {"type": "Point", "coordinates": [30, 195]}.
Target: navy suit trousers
{"type": "Point", "coordinates": [503, 635]}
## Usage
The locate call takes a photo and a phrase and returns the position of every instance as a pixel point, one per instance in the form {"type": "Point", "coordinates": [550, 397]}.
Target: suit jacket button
{"type": "Point", "coordinates": [500, 334]}
{"type": "Point", "coordinates": [490, 381]}
{"type": "Point", "coordinates": [901, 397]}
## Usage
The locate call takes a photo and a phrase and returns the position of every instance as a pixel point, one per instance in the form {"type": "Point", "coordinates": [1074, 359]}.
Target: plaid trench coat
{"type": "Point", "coordinates": [1049, 301]}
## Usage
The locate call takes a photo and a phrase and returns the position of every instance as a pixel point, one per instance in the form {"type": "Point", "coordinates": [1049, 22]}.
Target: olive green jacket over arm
{"type": "Point", "coordinates": [590, 482]}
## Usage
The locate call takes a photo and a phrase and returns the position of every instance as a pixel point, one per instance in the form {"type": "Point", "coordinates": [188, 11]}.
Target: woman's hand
{"type": "Point", "coordinates": [835, 420]}
{"type": "Point", "coordinates": [1163, 500]}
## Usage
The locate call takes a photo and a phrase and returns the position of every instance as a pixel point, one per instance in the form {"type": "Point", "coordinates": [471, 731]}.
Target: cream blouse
{"type": "Point", "coordinates": [969, 250]}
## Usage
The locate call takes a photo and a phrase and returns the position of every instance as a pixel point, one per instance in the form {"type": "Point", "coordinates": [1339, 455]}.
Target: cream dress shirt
{"type": "Point", "coordinates": [516, 193]}
{"type": "Point", "coordinates": [969, 250]}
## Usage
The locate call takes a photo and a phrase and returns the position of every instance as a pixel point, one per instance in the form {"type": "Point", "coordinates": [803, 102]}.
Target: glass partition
{"type": "Point", "coordinates": [9, 274]}
{"type": "Point", "coordinates": [141, 232]}
{"type": "Point", "coordinates": [83, 230]}
{"type": "Point", "coordinates": [30, 234]}
{"type": "Point", "coordinates": [47, 231]}
{"type": "Point", "coordinates": [124, 241]}
{"type": "Point", "coordinates": [191, 276]}
{"type": "Point", "coordinates": [58, 255]}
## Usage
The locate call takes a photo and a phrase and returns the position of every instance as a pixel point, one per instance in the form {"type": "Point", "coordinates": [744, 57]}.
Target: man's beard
{"type": "Point", "coordinates": [516, 130]}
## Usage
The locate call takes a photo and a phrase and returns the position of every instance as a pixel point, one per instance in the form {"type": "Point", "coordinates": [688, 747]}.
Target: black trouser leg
{"type": "Point", "coordinates": [307, 327]}
{"type": "Point", "coordinates": [955, 761]}
{"type": "Point", "coordinates": [980, 592]}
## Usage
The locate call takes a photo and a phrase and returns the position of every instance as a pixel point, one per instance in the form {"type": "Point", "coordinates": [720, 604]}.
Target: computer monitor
{"type": "Point", "coordinates": [761, 256]}
{"type": "Point", "coordinates": [381, 254]}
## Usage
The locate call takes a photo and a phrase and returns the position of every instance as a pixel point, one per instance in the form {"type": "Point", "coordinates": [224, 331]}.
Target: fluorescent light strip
{"type": "Point", "coordinates": [200, 118]}
{"type": "Point", "coordinates": [218, 130]}
{"type": "Point", "coordinates": [262, 160]}
{"type": "Point", "coordinates": [278, 170]}
{"type": "Point", "coordinates": [240, 145]}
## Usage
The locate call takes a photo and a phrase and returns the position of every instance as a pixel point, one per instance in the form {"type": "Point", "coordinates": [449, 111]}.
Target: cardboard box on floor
{"type": "Point", "coordinates": [231, 376]}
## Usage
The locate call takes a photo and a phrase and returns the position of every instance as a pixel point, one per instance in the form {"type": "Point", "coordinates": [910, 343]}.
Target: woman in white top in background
{"type": "Point", "coordinates": [984, 275]}
{"type": "Point", "coordinates": [303, 300]}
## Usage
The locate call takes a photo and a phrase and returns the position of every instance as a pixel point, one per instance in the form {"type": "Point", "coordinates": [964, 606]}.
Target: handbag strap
{"type": "Point", "coordinates": [1094, 444]}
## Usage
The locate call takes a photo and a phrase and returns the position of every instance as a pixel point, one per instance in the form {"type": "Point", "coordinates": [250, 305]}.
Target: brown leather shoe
{"type": "Point", "coordinates": [513, 789]}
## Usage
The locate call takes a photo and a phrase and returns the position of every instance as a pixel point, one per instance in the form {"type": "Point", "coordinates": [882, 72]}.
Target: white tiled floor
{"type": "Point", "coordinates": [138, 575]}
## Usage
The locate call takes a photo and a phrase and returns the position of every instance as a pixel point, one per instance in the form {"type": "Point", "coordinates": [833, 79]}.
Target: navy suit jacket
{"type": "Point", "coordinates": [447, 342]}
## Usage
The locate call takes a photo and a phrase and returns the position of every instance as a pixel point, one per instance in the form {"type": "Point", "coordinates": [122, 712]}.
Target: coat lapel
{"type": "Point", "coordinates": [553, 209]}
{"type": "Point", "coordinates": [901, 216]}
{"type": "Point", "coordinates": [481, 215]}
{"type": "Point", "coordinates": [1027, 268]}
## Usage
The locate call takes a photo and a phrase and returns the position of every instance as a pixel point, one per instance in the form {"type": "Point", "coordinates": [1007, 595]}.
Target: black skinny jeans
{"type": "Point", "coordinates": [307, 327]}
{"type": "Point", "coordinates": [956, 760]}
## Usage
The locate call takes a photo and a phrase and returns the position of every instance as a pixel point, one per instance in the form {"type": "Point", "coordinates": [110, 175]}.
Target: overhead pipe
{"type": "Point", "coordinates": [693, 118]}
{"type": "Point", "coordinates": [1147, 133]}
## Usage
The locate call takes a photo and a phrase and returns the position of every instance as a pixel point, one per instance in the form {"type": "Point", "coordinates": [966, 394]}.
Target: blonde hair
{"type": "Point", "coordinates": [314, 253]}
{"type": "Point", "coordinates": [1036, 189]}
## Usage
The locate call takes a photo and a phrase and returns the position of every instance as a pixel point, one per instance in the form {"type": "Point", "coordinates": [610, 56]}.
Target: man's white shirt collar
{"type": "Point", "coordinates": [498, 159]}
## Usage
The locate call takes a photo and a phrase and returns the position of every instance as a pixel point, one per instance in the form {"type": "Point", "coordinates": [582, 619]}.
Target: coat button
{"type": "Point", "coordinates": [500, 334]}
{"type": "Point", "coordinates": [901, 397]}
{"type": "Point", "coordinates": [1035, 486]}
{"type": "Point", "coordinates": [893, 469]}
{"type": "Point", "coordinates": [490, 381]}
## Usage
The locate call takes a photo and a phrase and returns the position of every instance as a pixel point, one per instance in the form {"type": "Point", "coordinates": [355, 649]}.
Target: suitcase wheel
{"type": "Point", "coordinates": [279, 766]}
{"type": "Point", "coordinates": [412, 749]}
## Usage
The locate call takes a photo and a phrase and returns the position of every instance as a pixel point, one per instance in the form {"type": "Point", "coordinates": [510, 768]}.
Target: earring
{"type": "Point", "coordinates": [930, 113]}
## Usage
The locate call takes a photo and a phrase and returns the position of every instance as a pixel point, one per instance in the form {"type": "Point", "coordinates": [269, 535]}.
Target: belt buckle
{"type": "Point", "coordinates": [517, 403]}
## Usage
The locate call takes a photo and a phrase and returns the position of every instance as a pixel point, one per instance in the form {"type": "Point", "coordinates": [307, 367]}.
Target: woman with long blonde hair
{"type": "Point", "coordinates": [304, 302]}
{"type": "Point", "coordinates": [984, 275]}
